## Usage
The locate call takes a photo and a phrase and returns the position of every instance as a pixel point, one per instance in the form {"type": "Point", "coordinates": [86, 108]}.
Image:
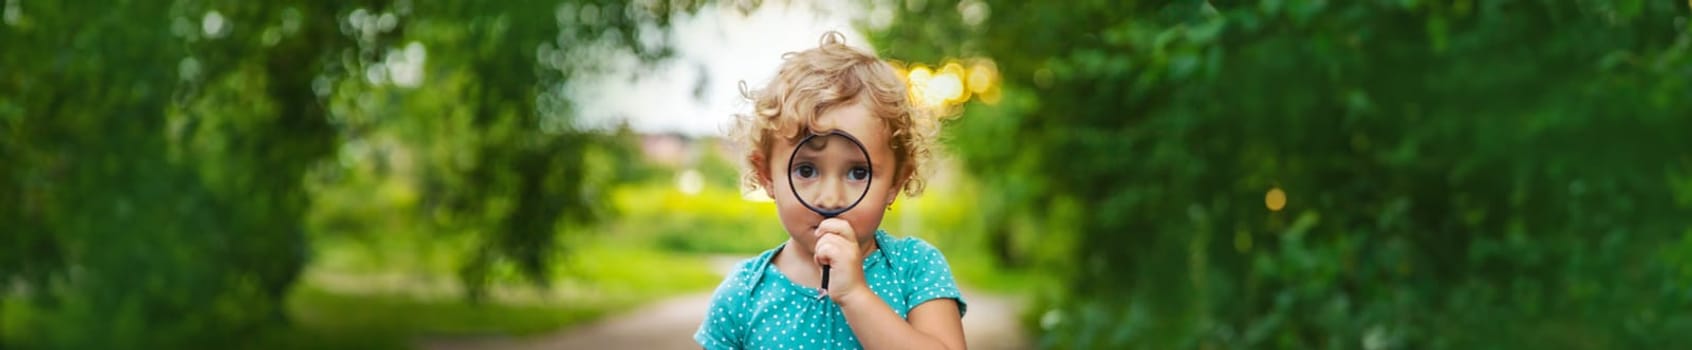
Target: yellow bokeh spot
{"type": "Point", "coordinates": [980, 78]}
{"type": "Point", "coordinates": [932, 89]}
{"type": "Point", "coordinates": [991, 96]}
{"type": "Point", "coordinates": [951, 84]}
{"type": "Point", "coordinates": [954, 88]}
{"type": "Point", "coordinates": [1276, 199]}
{"type": "Point", "coordinates": [920, 74]}
{"type": "Point", "coordinates": [945, 87]}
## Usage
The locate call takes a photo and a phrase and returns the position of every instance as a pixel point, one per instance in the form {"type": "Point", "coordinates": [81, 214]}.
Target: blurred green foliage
{"type": "Point", "coordinates": [715, 220]}
{"type": "Point", "coordinates": [163, 164]}
{"type": "Point", "coordinates": [1458, 174]}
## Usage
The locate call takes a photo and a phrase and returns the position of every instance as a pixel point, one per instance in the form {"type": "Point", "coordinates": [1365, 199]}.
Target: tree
{"type": "Point", "coordinates": [156, 154]}
{"type": "Point", "coordinates": [1465, 174]}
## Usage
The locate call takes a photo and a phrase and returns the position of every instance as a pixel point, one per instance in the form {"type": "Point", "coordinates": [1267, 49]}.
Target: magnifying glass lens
{"type": "Point", "coordinates": [830, 173]}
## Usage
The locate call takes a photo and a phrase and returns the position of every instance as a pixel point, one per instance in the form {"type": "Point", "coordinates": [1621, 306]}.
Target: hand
{"type": "Point", "coordinates": [837, 247]}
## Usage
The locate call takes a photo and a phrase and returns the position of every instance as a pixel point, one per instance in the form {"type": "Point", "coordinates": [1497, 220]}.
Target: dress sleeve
{"type": "Point", "coordinates": [721, 328]}
{"type": "Point", "coordinates": [932, 277]}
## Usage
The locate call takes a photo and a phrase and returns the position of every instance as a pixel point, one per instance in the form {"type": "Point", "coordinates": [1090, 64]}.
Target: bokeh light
{"type": "Point", "coordinates": [1276, 199]}
{"type": "Point", "coordinates": [690, 182]}
{"type": "Point", "coordinates": [952, 84]}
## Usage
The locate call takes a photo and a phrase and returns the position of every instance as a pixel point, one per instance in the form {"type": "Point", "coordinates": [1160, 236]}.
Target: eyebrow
{"type": "Point", "coordinates": [813, 159]}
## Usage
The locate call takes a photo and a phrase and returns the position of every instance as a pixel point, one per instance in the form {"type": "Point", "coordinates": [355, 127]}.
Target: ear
{"type": "Point", "coordinates": [761, 172]}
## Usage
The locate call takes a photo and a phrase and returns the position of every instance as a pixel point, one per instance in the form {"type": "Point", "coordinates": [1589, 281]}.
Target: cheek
{"type": "Point", "coordinates": [886, 185]}
{"type": "Point", "coordinates": [795, 217]}
{"type": "Point", "coordinates": [866, 217]}
{"type": "Point", "coordinates": [790, 210]}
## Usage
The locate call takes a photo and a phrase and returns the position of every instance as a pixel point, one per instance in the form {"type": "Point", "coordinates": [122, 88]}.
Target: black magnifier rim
{"type": "Point", "coordinates": [867, 182]}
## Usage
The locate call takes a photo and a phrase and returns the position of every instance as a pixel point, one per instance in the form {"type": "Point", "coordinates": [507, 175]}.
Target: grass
{"type": "Point", "coordinates": [405, 315]}
{"type": "Point", "coordinates": [402, 285]}
{"type": "Point", "coordinates": [717, 219]}
{"type": "Point", "coordinates": [347, 297]}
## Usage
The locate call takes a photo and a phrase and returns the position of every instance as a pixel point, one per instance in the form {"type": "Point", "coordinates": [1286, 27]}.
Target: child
{"type": "Point", "coordinates": [884, 291]}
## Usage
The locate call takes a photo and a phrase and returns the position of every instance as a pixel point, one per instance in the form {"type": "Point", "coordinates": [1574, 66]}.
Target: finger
{"type": "Point", "coordinates": [835, 226]}
{"type": "Point", "coordinates": [824, 252]}
{"type": "Point", "coordinates": [830, 247]}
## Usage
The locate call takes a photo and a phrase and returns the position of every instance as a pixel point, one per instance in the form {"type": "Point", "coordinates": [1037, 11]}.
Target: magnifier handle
{"type": "Point", "coordinates": [825, 279]}
{"type": "Point", "coordinates": [825, 267]}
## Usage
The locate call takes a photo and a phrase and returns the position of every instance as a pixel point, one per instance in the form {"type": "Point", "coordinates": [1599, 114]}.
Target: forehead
{"type": "Point", "coordinates": [855, 119]}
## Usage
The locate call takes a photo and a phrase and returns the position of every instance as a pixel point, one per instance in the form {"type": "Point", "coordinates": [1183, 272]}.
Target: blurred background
{"type": "Point", "coordinates": [389, 174]}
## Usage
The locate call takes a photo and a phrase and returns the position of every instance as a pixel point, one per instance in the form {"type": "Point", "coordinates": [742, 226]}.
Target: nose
{"type": "Point", "coordinates": [833, 194]}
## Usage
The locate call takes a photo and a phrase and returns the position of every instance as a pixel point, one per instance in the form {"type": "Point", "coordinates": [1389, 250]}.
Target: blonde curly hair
{"type": "Point", "coordinates": [811, 82]}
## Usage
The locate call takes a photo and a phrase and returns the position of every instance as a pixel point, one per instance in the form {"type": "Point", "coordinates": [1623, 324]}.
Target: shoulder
{"type": "Point", "coordinates": [909, 248]}
{"type": "Point", "coordinates": [738, 285]}
{"type": "Point", "coordinates": [725, 318]}
{"type": "Point", "coordinates": [923, 269]}
{"type": "Point", "coordinates": [912, 255]}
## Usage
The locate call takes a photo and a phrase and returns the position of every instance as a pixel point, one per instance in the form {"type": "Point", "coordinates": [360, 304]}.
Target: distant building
{"type": "Point", "coordinates": [671, 150]}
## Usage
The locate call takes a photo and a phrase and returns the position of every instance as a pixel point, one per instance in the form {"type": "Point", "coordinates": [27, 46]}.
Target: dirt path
{"type": "Point", "coordinates": [669, 324]}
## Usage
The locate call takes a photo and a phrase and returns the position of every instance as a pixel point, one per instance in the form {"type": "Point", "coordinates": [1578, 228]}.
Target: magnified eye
{"type": "Point", "coordinates": [858, 173]}
{"type": "Point", "coordinates": [805, 171]}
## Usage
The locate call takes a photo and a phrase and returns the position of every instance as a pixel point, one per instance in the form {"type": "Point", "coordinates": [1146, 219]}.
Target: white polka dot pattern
{"type": "Point", "coordinates": [757, 307]}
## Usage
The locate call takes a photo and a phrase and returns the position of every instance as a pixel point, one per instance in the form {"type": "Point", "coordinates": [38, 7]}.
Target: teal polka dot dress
{"type": "Point", "coordinates": [757, 307]}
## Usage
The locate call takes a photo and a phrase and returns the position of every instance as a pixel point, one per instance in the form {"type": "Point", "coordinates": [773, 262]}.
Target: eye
{"type": "Point", "coordinates": [805, 171]}
{"type": "Point", "coordinates": [858, 173]}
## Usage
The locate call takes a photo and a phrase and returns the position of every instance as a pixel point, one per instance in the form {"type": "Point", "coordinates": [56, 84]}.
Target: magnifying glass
{"type": "Point", "coordinates": [829, 174]}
